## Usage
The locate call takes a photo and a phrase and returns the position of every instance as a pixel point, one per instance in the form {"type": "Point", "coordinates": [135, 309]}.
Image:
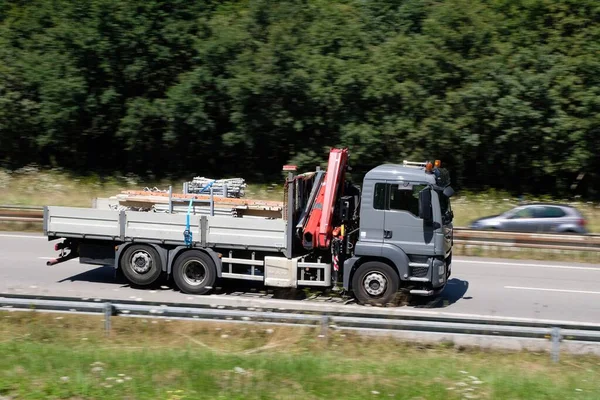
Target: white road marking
{"type": "Point", "coordinates": [23, 236]}
{"type": "Point", "coordinates": [551, 290]}
{"type": "Point", "coordinates": [528, 265]}
{"type": "Point", "coordinates": [46, 258]}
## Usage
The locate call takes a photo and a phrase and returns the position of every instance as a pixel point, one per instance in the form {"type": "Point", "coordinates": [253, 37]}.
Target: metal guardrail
{"type": "Point", "coordinates": [555, 332]}
{"type": "Point", "coordinates": [462, 236]}
{"type": "Point", "coordinates": [9, 213]}
{"type": "Point", "coordinates": [551, 241]}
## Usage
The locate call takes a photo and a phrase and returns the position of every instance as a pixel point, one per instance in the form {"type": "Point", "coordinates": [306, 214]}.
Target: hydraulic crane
{"type": "Point", "coordinates": [318, 230]}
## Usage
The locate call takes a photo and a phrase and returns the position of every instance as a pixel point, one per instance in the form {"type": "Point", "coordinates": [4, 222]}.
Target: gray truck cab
{"type": "Point", "coordinates": [405, 223]}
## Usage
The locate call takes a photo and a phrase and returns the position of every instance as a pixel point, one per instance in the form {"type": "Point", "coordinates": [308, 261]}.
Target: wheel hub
{"type": "Point", "coordinates": [194, 273]}
{"type": "Point", "coordinates": [141, 262]}
{"type": "Point", "coordinates": [375, 283]}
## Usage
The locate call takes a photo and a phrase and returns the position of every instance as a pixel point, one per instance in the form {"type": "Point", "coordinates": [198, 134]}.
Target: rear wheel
{"type": "Point", "coordinates": [375, 283]}
{"type": "Point", "coordinates": [194, 272]}
{"type": "Point", "coordinates": [141, 264]}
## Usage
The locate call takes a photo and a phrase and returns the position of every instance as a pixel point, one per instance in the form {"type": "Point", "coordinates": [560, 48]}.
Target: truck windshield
{"type": "Point", "coordinates": [446, 208]}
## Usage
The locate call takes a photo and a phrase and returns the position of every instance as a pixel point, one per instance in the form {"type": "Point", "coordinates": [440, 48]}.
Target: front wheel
{"type": "Point", "coordinates": [375, 283]}
{"type": "Point", "coordinates": [194, 272]}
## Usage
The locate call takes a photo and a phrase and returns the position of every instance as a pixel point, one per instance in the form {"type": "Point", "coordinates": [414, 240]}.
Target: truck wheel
{"type": "Point", "coordinates": [194, 272]}
{"type": "Point", "coordinates": [375, 283]}
{"type": "Point", "coordinates": [141, 265]}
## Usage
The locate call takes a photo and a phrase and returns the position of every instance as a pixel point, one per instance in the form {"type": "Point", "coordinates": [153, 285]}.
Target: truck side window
{"type": "Point", "coordinates": [404, 199]}
{"type": "Point", "coordinates": [379, 196]}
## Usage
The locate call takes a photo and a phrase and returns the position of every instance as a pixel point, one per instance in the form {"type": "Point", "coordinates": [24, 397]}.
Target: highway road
{"type": "Point", "coordinates": [478, 286]}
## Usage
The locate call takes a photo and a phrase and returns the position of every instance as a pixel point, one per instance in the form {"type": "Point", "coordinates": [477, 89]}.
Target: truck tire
{"type": "Point", "coordinates": [141, 264]}
{"type": "Point", "coordinates": [375, 283]}
{"type": "Point", "coordinates": [194, 272]}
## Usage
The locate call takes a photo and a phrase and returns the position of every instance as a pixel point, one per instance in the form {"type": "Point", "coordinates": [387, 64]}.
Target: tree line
{"type": "Point", "coordinates": [506, 92]}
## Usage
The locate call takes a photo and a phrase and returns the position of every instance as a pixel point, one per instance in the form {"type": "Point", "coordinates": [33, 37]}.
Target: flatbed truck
{"type": "Point", "coordinates": [393, 233]}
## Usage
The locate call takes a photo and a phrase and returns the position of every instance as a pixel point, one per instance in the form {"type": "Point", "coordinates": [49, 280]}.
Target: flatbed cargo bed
{"type": "Point", "coordinates": [130, 226]}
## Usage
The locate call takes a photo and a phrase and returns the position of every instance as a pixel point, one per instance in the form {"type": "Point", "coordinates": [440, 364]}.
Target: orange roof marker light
{"type": "Point", "coordinates": [442, 176]}
{"type": "Point", "coordinates": [428, 166]}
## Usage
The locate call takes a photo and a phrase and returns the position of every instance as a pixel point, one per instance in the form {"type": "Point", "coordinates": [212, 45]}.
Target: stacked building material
{"type": "Point", "coordinates": [159, 201]}
{"type": "Point", "coordinates": [195, 210]}
{"type": "Point", "coordinates": [234, 187]}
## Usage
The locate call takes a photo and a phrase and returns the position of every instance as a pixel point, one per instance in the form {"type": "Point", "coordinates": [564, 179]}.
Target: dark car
{"type": "Point", "coordinates": [535, 218]}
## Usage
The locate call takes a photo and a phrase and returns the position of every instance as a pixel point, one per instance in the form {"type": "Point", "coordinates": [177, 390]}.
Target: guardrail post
{"type": "Point", "coordinates": [324, 326]}
{"type": "Point", "coordinates": [555, 344]}
{"type": "Point", "coordinates": [108, 312]}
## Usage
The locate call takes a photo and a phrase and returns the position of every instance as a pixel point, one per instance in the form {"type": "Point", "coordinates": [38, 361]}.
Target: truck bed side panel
{"type": "Point", "coordinates": [265, 234]}
{"type": "Point", "coordinates": [254, 232]}
{"type": "Point", "coordinates": [74, 221]}
{"type": "Point", "coordinates": [153, 226]}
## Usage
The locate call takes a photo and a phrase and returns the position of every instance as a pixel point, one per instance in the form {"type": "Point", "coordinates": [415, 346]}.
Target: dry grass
{"type": "Point", "coordinates": [469, 207]}
{"type": "Point", "coordinates": [65, 356]}
{"type": "Point", "coordinates": [31, 186]}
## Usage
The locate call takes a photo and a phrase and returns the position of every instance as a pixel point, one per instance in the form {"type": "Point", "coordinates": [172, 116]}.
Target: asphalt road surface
{"type": "Point", "coordinates": [478, 286]}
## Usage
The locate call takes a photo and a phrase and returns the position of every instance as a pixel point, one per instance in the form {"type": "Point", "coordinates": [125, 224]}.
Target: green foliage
{"type": "Point", "coordinates": [506, 93]}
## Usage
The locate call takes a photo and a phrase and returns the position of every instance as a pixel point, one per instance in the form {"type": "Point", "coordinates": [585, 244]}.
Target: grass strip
{"type": "Point", "coordinates": [45, 356]}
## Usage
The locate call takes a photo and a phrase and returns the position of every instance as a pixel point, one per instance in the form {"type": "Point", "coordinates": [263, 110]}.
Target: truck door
{"type": "Point", "coordinates": [372, 213]}
{"type": "Point", "coordinates": [402, 226]}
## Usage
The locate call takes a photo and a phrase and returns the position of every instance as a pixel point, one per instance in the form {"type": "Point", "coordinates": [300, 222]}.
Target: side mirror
{"type": "Point", "coordinates": [425, 205]}
{"type": "Point", "coordinates": [448, 191]}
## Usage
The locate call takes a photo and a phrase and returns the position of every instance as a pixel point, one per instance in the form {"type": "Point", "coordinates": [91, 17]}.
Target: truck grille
{"type": "Point", "coordinates": [419, 272]}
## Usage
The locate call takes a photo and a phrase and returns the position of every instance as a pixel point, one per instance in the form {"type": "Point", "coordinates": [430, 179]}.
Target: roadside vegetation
{"type": "Point", "coordinates": [30, 186]}
{"type": "Point", "coordinates": [505, 93]}
{"type": "Point", "coordinates": [69, 357]}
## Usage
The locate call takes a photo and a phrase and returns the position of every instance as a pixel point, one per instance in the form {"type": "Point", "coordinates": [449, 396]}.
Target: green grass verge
{"type": "Point", "coordinates": [45, 356]}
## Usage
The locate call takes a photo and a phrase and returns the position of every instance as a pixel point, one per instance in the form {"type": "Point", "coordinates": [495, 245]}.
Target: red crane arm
{"type": "Point", "coordinates": [338, 158]}
{"type": "Point", "coordinates": [318, 229]}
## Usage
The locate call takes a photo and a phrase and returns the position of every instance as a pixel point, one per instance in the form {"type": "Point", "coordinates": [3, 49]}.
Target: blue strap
{"type": "Point", "coordinates": [207, 186]}
{"type": "Point", "coordinates": [187, 234]}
